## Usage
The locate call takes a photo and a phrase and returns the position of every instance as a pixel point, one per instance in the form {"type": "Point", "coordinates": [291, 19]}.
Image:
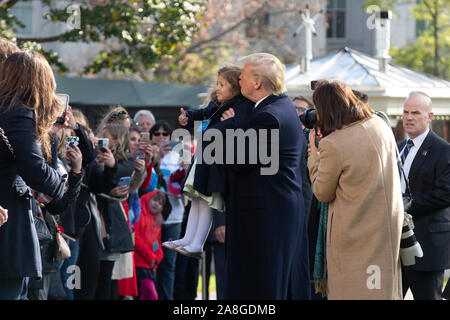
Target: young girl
{"type": "Point", "coordinates": [205, 183]}
{"type": "Point", "coordinates": [148, 251]}
{"type": "Point", "coordinates": [117, 238]}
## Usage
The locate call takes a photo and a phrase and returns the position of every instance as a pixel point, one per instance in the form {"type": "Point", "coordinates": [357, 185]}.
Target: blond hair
{"type": "Point", "coordinates": [27, 79]}
{"type": "Point", "coordinates": [81, 119]}
{"type": "Point", "coordinates": [269, 70]}
{"type": "Point", "coordinates": [7, 48]}
{"type": "Point", "coordinates": [121, 133]}
{"type": "Point", "coordinates": [116, 115]}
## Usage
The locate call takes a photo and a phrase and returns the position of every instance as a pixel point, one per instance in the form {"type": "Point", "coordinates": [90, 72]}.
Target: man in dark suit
{"type": "Point", "coordinates": [266, 237]}
{"type": "Point", "coordinates": [426, 159]}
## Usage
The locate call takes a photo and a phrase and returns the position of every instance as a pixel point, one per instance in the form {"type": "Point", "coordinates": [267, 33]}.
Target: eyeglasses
{"type": "Point", "coordinates": [157, 134]}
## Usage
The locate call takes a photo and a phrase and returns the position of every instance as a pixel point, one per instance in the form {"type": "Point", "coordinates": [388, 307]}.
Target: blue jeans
{"type": "Point", "coordinates": [74, 249]}
{"type": "Point", "coordinates": [165, 277]}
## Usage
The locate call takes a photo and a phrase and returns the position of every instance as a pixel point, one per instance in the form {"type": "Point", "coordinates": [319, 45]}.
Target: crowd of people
{"type": "Point", "coordinates": [117, 212]}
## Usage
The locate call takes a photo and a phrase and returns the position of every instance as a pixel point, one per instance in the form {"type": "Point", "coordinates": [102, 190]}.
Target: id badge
{"type": "Point", "coordinates": [203, 126]}
{"type": "Point", "coordinates": [155, 246]}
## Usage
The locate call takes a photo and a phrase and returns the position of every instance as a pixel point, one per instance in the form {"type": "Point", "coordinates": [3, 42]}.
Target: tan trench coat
{"type": "Point", "coordinates": [355, 171]}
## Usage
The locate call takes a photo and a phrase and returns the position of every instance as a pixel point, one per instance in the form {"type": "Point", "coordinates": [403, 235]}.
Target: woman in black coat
{"type": "Point", "coordinates": [206, 183]}
{"type": "Point", "coordinates": [28, 108]}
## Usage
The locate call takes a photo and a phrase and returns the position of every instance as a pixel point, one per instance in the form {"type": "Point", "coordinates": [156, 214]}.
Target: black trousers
{"type": "Point", "coordinates": [89, 263]}
{"type": "Point", "coordinates": [105, 283]}
{"type": "Point", "coordinates": [424, 285]}
{"type": "Point", "coordinates": [216, 250]}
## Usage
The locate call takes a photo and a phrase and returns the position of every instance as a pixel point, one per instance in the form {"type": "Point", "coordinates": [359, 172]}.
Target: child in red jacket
{"type": "Point", "coordinates": [148, 253]}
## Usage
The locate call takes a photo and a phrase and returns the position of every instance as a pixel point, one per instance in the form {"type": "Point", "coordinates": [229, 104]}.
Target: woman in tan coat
{"type": "Point", "coordinates": [355, 171]}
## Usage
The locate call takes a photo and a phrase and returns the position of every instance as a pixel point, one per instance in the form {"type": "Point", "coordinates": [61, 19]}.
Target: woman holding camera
{"type": "Point", "coordinates": [28, 109]}
{"type": "Point", "coordinates": [354, 170]}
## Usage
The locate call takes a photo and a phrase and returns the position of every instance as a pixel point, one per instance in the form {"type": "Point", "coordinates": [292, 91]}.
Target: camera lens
{"type": "Point", "coordinates": [309, 119]}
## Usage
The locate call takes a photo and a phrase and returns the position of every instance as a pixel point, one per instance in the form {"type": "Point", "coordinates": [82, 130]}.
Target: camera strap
{"type": "Point", "coordinates": [383, 116]}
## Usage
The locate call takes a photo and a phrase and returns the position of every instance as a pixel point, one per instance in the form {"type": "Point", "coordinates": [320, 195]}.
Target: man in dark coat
{"type": "Point", "coordinates": [266, 237]}
{"type": "Point", "coordinates": [427, 166]}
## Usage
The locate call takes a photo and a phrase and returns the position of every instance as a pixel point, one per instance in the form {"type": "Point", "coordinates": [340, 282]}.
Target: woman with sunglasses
{"type": "Point", "coordinates": [166, 163]}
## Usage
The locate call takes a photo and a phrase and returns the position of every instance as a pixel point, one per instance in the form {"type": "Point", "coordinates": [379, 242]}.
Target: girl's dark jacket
{"type": "Point", "coordinates": [211, 177]}
{"type": "Point", "coordinates": [19, 246]}
{"type": "Point", "coordinates": [57, 208]}
{"type": "Point", "coordinates": [118, 234]}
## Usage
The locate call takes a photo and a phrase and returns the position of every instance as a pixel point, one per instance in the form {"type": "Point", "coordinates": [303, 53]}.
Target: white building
{"type": "Point", "coordinates": [387, 89]}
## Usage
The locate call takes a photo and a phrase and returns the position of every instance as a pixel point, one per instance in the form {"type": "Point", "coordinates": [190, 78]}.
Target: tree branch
{"type": "Point", "coordinates": [46, 39]}
{"type": "Point", "coordinates": [201, 43]}
{"type": "Point", "coordinates": [10, 3]}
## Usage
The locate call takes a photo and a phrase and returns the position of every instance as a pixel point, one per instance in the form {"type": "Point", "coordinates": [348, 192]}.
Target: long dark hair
{"type": "Point", "coordinates": [26, 78]}
{"type": "Point", "coordinates": [158, 124]}
{"type": "Point", "coordinates": [337, 106]}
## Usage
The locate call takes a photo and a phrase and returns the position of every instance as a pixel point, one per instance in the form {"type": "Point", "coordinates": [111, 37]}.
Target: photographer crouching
{"type": "Point", "coordinates": [354, 170]}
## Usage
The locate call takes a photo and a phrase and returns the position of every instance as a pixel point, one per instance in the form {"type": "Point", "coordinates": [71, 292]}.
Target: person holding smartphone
{"type": "Point", "coordinates": [166, 163]}
{"type": "Point", "coordinates": [118, 239]}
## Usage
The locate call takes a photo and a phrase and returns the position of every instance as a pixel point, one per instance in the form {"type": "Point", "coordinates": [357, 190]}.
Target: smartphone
{"type": "Point", "coordinates": [145, 137]}
{"type": "Point", "coordinates": [63, 99]}
{"type": "Point", "coordinates": [72, 141]}
{"type": "Point", "coordinates": [124, 181]}
{"type": "Point", "coordinates": [102, 143]}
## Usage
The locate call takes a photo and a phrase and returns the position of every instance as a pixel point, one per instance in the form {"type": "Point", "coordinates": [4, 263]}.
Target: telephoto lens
{"type": "Point", "coordinates": [309, 119]}
{"type": "Point", "coordinates": [409, 247]}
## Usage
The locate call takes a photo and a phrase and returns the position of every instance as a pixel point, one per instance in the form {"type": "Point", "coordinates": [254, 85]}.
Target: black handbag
{"type": "Point", "coordinates": [43, 233]}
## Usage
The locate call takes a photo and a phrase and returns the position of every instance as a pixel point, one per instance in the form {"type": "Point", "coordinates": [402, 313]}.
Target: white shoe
{"type": "Point", "coordinates": [171, 244]}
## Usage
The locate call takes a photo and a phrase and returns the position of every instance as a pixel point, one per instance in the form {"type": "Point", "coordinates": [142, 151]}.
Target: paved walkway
{"type": "Point", "coordinates": [408, 296]}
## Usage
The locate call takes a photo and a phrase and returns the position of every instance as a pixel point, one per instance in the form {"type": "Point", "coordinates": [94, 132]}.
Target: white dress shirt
{"type": "Point", "coordinates": [259, 101]}
{"type": "Point", "coordinates": [411, 155]}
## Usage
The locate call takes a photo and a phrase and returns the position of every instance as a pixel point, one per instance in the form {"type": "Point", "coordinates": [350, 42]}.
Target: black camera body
{"type": "Point", "coordinates": [309, 118]}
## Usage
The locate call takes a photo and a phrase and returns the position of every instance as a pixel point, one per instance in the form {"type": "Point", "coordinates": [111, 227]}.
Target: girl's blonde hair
{"type": "Point", "coordinates": [121, 133]}
{"type": "Point", "coordinates": [62, 148]}
{"type": "Point", "coordinates": [81, 119]}
{"type": "Point", "coordinates": [116, 115]}
{"type": "Point", "coordinates": [27, 79]}
{"type": "Point", "coordinates": [7, 48]}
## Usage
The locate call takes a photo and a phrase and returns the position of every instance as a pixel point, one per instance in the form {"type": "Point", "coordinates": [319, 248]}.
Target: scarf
{"type": "Point", "coordinates": [320, 258]}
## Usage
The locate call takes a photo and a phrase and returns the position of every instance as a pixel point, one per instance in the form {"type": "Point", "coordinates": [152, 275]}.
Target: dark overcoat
{"type": "Point", "coordinates": [19, 246]}
{"type": "Point", "coordinates": [429, 181]}
{"type": "Point", "coordinates": [266, 238]}
{"type": "Point", "coordinates": [211, 177]}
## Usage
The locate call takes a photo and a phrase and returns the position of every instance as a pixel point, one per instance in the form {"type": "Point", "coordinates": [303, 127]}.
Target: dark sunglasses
{"type": "Point", "coordinates": [157, 134]}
